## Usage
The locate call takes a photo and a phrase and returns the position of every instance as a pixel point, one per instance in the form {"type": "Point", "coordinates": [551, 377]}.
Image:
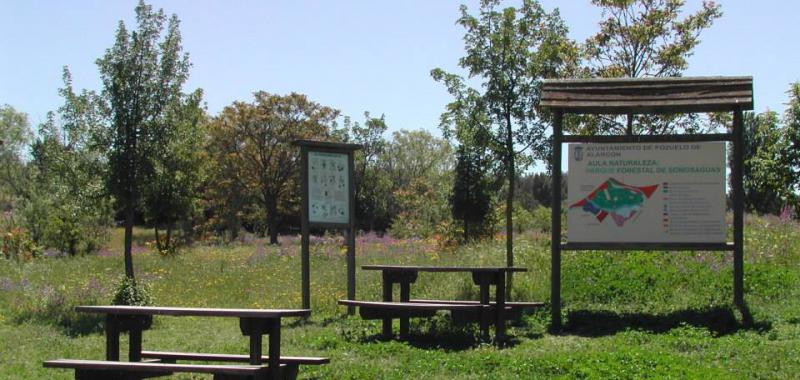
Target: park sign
{"type": "Point", "coordinates": [646, 193]}
{"type": "Point", "coordinates": [328, 201]}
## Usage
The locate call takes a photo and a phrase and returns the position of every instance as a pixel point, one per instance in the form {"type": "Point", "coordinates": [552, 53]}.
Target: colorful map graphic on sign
{"type": "Point", "coordinates": [617, 199]}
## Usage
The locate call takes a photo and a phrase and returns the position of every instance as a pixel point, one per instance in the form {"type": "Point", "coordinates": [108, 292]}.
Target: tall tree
{"type": "Point", "coordinates": [67, 207]}
{"type": "Point", "coordinates": [372, 188]}
{"type": "Point", "coordinates": [509, 51]}
{"type": "Point", "coordinates": [142, 74]}
{"type": "Point", "coordinates": [15, 135]}
{"type": "Point", "coordinates": [173, 186]}
{"type": "Point", "coordinates": [644, 38]}
{"type": "Point", "coordinates": [791, 153]}
{"type": "Point", "coordinates": [258, 137]}
{"type": "Point", "coordinates": [471, 199]}
{"type": "Point", "coordinates": [764, 171]}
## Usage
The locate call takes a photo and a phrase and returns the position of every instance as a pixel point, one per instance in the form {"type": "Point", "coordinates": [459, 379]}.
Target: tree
{"type": "Point", "coordinates": [257, 137]}
{"type": "Point", "coordinates": [644, 38]}
{"type": "Point", "coordinates": [142, 74]}
{"type": "Point", "coordinates": [171, 191]}
{"type": "Point", "coordinates": [791, 153]}
{"type": "Point", "coordinates": [372, 190]}
{"type": "Point", "coordinates": [67, 207]}
{"type": "Point", "coordinates": [471, 199]}
{"type": "Point", "coordinates": [764, 173]}
{"type": "Point", "coordinates": [509, 51]}
{"type": "Point", "coordinates": [419, 167]}
{"type": "Point", "coordinates": [15, 135]}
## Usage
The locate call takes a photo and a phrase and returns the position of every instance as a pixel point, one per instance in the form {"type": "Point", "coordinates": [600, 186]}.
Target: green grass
{"type": "Point", "coordinates": [627, 315]}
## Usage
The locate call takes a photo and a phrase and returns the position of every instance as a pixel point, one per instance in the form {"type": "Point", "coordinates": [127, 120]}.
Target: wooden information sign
{"type": "Point", "coordinates": [328, 201]}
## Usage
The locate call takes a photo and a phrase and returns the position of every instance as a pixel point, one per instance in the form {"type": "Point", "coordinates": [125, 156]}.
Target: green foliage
{"type": "Point", "coordinates": [132, 293]}
{"type": "Point", "coordinates": [373, 189]}
{"type": "Point", "coordinates": [419, 168]}
{"type": "Point", "coordinates": [15, 135]}
{"type": "Point", "coordinates": [16, 244]}
{"type": "Point", "coordinates": [142, 74]}
{"type": "Point", "coordinates": [508, 51]}
{"type": "Point", "coordinates": [173, 188]}
{"type": "Point", "coordinates": [766, 175]}
{"type": "Point", "coordinates": [537, 219]}
{"type": "Point", "coordinates": [471, 200]}
{"type": "Point", "coordinates": [791, 153]}
{"type": "Point", "coordinates": [66, 206]}
{"type": "Point", "coordinates": [252, 143]}
{"type": "Point", "coordinates": [643, 38]}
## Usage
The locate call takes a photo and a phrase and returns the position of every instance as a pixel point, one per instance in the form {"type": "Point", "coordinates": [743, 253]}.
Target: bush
{"type": "Point", "coordinates": [537, 219]}
{"type": "Point", "coordinates": [131, 293]}
{"type": "Point", "coordinates": [16, 244]}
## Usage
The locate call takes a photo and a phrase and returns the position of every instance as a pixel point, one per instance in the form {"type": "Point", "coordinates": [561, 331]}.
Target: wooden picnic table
{"type": "Point", "coordinates": [484, 277]}
{"type": "Point", "coordinates": [253, 323]}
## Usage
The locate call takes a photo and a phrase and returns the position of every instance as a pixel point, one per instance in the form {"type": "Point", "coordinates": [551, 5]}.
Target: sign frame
{"type": "Point", "coordinates": [306, 147]}
{"type": "Point", "coordinates": [649, 96]}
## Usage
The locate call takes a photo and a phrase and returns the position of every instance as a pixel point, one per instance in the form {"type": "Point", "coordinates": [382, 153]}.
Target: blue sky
{"type": "Point", "coordinates": [353, 55]}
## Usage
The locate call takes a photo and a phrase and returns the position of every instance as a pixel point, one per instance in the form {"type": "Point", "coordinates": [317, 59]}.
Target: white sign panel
{"type": "Point", "coordinates": [328, 188]}
{"type": "Point", "coordinates": [646, 193]}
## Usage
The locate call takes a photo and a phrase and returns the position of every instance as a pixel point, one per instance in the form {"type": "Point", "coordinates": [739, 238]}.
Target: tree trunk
{"type": "Point", "coordinates": [158, 238]}
{"type": "Point", "coordinates": [129, 239]}
{"type": "Point", "coordinates": [168, 242]}
{"type": "Point", "coordinates": [272, 220]}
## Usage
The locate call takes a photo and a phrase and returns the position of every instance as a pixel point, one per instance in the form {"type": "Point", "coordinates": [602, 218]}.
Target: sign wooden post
{"type": "Point", "coordinates": [328, 201]}
{"type": "Point", "coordinates": [683, 209]}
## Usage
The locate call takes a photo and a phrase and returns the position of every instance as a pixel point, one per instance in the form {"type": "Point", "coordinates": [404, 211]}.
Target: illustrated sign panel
{"type": "Point", "coordinates": [646, 193]}
{"type": "Point", "coordinates": [328, 188]}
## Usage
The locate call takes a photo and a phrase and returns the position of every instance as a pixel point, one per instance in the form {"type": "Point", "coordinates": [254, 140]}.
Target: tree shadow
{"type": "Point", "coordinates": [719, 320]}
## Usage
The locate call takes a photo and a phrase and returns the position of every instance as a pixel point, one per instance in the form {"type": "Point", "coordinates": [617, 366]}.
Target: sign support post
{"type": "Point", "coordinates": [328, 201]}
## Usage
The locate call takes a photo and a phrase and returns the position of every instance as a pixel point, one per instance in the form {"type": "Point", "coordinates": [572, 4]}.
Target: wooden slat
{"type": "Point", "coordinates": [198, 312]}
{"type": "Point", "coordinates": [442, 269]}
{"type": "Point", "coordinates": [648, 95]}
{"type": "Point", "coordinates": [409, 305]}
{"type": "Point", "coordinates": [647, 246]}
{"type": "Point", "coordinates": [157, 367]}
{"type": "Point", "coordinates": [647, 138]}
{"type": "Point", "coordinates": [230, 357]}
{"type": "Point", "coordinates": [459, 302]}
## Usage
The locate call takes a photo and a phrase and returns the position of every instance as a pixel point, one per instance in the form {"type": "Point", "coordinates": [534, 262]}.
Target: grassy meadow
{"type": "Point", "coordinates": [627, 314]}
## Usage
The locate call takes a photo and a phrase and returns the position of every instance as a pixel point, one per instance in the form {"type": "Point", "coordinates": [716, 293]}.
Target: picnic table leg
{"type": "Point", "coordinates": [483, 282]}
{"type": "Point", "coordinates": [405, 296]}
{"type": "Point", "coordinates": [387, 297]}
{"type": "Point", "coordinates": [135, 344]}
{"type": "Point", "coordinates": [275, 348]}
{"type": "Point", "coordinates": [500, 301]}
{"type": "Point", "coordinates": [112, 338]}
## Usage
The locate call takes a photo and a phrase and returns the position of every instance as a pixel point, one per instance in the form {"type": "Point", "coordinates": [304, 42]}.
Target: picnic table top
{"type": "Point", "coordinates": [192, 311]}
{"type": "Point", "coordinates": [411, 268]}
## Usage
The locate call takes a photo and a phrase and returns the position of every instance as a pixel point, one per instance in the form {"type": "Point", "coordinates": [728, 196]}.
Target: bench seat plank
{"type": "Point", "coordinates": [412, 306]}
{"type": "Point", "coordinates": [523, 305]}
{"type": "Point", "coordinates": [166, 355]}
{"type": "Point", "coordinates": [102, 365]}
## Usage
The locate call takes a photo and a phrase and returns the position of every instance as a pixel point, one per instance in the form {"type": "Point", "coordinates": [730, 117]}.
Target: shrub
{"type": "Point", "coordinates": [132, 293]}
{"type": "Point", "coordinates": [16, 244]}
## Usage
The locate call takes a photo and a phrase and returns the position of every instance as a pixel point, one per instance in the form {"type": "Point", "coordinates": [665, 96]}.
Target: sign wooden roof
{"type": "Point", "coordinates": [648, 95]}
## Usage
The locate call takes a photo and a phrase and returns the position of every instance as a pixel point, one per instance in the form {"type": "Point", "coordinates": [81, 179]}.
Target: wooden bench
{"type": "Point", "coordinates": [381, 310]}
{"type": "Point", "coordinates": [513, 310]}
{"type": "Point", "coordinates": [104, 369]}
{"type": "Point", "coordinates": [291, 364]}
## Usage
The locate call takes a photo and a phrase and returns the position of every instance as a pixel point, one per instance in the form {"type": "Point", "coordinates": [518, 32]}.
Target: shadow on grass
{"type": "Point", "coordinates": [436, 333]}
{"type": "Point", "coordinates": [720, 321]}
